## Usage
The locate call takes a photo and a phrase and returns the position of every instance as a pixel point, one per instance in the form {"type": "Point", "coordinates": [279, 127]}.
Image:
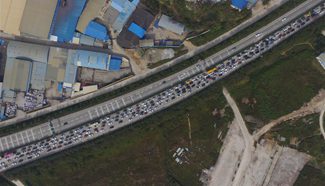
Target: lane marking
{"type": "Point", "coordinates": [21, 136]}
{"type": "Point", "coordinates": [8, 147]}
{"type": "Point", "coordinates": [32, 134]}
{"type": "Point", "coordinates": [107, 108]}
{"type": "Point", "coordinates": [123, 101]}
{"type": "Point", "coordinates": [89, 113]}
{"type": "Point", "coordinates": [1, 145]}
{"type": "Point", "coordinates": [41, 132]}
{"type": "Point", "coordinates": [96, 110]}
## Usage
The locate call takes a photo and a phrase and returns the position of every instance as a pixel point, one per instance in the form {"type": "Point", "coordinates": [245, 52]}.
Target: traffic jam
{"type": "Point", "coordinates": [76, 136]}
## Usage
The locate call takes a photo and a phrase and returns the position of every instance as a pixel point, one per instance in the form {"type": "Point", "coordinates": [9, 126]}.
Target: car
{"type": "Point", "coordinates": [258, 35]}
{"type": "Point", "coordinates": [284, 19]}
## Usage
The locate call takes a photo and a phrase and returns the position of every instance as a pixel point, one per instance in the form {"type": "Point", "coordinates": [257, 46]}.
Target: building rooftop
{"type": "Point", "coordinates": [115, 63]}
{"type": "Point", "coordinates": [239, 4]}
{"type": "Point", "coordinates": [125, 9]}
{"type": "Point", "coordinates": [66, 19]}
{"type": "Point", "coordinates": [37, 18]}
{"type": "Point", "coordinates": [89, 59]}
{"type": "Point", "coordinates": [11, 13]}
{"type": "Point", "coordinates": [97, 31]}
{"type": "Point", "coordinates": [137, 30]}
{"type": "Point", "coordinates": [26, 50]}
{"type": "Point", "coordinates": [57, 64]}
{"type": "Point", "coordinates": [90, 12]}
{"type": "Point", "coordinates": [17, 74]}
{"type": "Point", "coordinates": [169, 24]}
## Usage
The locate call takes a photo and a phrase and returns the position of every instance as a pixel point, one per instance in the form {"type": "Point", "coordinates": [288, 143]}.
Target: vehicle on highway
{"type": "Point", "coordinates": [142, 109]}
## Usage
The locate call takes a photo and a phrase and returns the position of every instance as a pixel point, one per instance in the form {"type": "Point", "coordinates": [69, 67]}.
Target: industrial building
{"type": "Point", "coordinates": [115, 63]}
{"type": "Point", "coordinates": [37, 18]}
{"type": "Point", "coordinates": [31, 51]}
{"type": "Point", "coordinates": [135, 28]}
{"type": "Point", "coordinates": [97, 31]}
{"type": "Point", "coordinates": [56, 64]}
{"type": "Point", "coordinates": [17, 75]}
{"type": "Point", "coordinates": [169, 24]}
{"type": "Point", "coordinates": [11, 13]}
{"type": "Point", "coordinates": [91, 12]}
{"type": "Point", "coordinates": [66, 19]}
{"type": "Point", "coordinates": [239, 4]}
{"type": "Point", "coordinates": [95, 60]}
{"type": "Point", "coordinates": [124, 9]}
{"type": "Point", "coordinates": [25, 67]}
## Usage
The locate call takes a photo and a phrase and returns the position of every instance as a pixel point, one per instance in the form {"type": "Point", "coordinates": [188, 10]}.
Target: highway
{"type": "Point", "coordinates": [87, 115]}
{"type": "Point", "coordinates": [156, 70]}
{"type": "Point", "coordinates": [172, 93]}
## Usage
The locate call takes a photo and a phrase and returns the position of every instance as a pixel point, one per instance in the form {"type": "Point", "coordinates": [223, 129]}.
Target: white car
{"type": "Point", "coordinates": [258, 35]}
{"type": "Point", "coordinates": [284, 19]}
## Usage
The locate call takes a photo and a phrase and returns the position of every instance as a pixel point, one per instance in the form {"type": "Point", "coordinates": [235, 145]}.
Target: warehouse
{"type": "Point", "coordinates": [56, 64]}
{"type": "Point", "coordinates": [97, 31]}
{"type": "Point", "coordinates": [89, 59]}
{"type": "Point", "coordinates": [91, 12]}
{"type": "Point", "coordinates": [17, 74]}
{"type": "Point", "coordinates": [37, 18]}
{"type": "Point", "coordinates": [125, 9]}
{"type": "Point", "coordinates": [34, 52]}
{"type": "Point", "coordinates": [169, 24]}
{"type": "Point", "coordinates": [115, 63]}
{"type": "Point", "coordinates": [135, 28]}
{"type": "Point", "coordinates": [66, 19]}
{"type": "Point", "coordinates": [11, 13]}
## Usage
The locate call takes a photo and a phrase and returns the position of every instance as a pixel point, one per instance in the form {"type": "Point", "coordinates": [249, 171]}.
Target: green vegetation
{"type": "Point", "coordinates": [142, 153]}
{"type": "Point", "coordinates": [198, 17]}
{"type": "Point", "coordinates": [310, 176]}
{"type": "Point", "coordinates": [32, 122]}
{"type": "Point", "coordinates": [304, 135]}
{"type": "Point", "coordinates": [5, 182]}
{"type": "Point", "coordinates": [283, 79]}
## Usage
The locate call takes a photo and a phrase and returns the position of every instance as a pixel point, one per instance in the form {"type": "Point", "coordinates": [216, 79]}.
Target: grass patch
{"type": "Point", "coordinates": [281, 83]}
{"type": "Point", "coordinates": [142, 153]}
{"type": "Point", "coordinates": [310, 176]}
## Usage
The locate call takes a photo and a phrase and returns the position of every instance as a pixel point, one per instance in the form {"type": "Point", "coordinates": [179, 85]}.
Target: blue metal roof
{"type": "Point", "coordinates": [115, 63]}
{"type": "Point", "coordinates": [66, 19]}
{"type": "Point", "coordinates": [125, 8]}
{"type": "Point", "coordinates": [97, 31]}
{"type": "Point", "coordinates": [90, 59]}
{"type": "Point", "coordinates": [240, 4]}
{"type": "Point", "coordinates": [137, 30]}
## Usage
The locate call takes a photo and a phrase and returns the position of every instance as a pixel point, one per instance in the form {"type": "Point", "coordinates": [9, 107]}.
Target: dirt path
{"type": "Point", "coordinates": [249, 142]}
{"type": "Point", "coordinates": [314, 106]}
{"type": "Point", "coordinates": [307, 43]}
{"type": "Point", "coordinates": [321, 122]}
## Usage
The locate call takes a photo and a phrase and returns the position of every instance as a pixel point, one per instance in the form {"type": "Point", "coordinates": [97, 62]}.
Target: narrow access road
{"type": "Point", "coordinates": [249, 141]}
{"type": "Point", "coordinates": [321, 122]}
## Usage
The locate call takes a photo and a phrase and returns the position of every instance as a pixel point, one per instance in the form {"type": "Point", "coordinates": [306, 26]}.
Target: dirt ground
{"type": "Point", "coordinates": [259, 7]}
{"type": "Point", "coordinates": [242, 162]}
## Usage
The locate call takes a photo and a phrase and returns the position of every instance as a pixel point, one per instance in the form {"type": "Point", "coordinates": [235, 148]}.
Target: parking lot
{"type": "Point", "coordinates": [122, 111]}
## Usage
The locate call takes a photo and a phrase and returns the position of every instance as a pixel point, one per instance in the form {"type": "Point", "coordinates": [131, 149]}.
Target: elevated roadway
{"type": "Point", "coordinates": [134, 79]}
{"type": "Point", "coordinates": [87, 115]}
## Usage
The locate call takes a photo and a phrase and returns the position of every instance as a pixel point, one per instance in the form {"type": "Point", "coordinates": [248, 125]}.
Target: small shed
{"type": "Point", "coordinates": [137, 30]}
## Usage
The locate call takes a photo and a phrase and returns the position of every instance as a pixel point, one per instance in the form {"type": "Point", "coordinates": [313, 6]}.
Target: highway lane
{"type": "Point", "coordinates": [151, 105]}
{"type": "Point", "coordinates": [84, 116]}
{"type": "Point", "coordinates": [134, 79]}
